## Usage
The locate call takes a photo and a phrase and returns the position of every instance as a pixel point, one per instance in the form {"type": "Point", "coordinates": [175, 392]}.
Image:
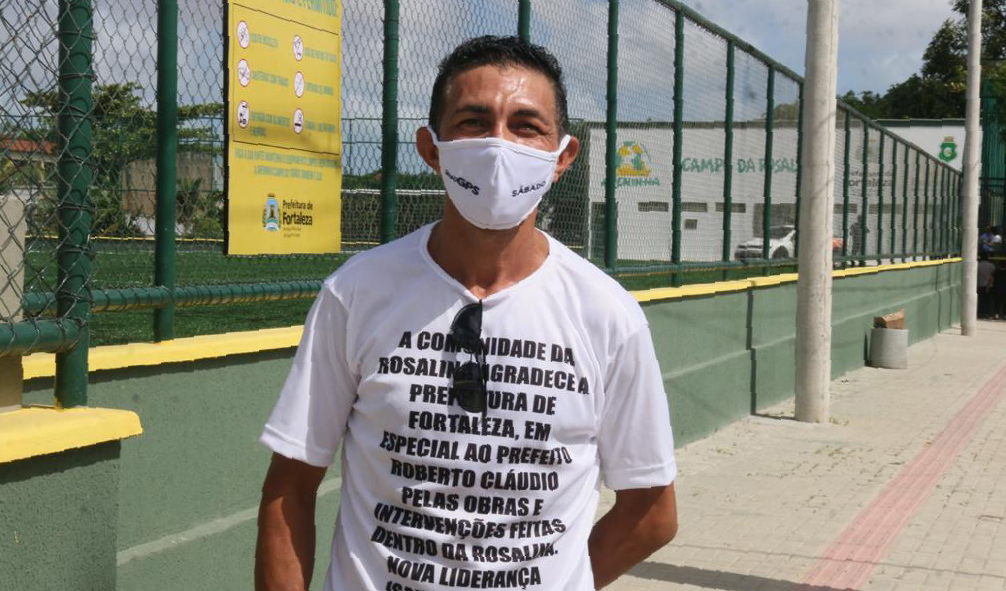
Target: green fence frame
{"type": "Point", "coordinates": [67, 334]}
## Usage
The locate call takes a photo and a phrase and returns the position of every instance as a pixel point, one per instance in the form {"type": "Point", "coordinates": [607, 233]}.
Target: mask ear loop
{"type": "Point", "coordinates": [563, 144]}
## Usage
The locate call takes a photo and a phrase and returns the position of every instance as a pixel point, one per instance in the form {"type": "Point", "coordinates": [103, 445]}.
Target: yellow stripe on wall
{"type": "Point", "coordinates": [39, 430]}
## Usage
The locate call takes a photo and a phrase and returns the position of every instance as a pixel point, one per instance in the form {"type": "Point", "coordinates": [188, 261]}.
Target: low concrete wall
{"type": "Point", "coordinates": [189, 486]}
{"type": "Point", "coordinates": [728, 355]}
{"type": "Point", "coordinates": [58, 520]}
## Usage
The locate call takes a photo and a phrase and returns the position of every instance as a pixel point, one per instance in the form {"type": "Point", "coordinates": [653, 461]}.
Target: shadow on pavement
{"type": "Point", "coordinates": [717, 579]}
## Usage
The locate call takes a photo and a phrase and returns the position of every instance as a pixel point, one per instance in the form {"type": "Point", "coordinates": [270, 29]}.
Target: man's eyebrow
{"type": "Point", "coordinates": [529, 112]}
{"type": "Point", "coordinates": [472, 108]}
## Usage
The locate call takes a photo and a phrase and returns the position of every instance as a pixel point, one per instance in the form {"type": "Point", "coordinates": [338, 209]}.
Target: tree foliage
{"type": "Point", "coordinates": [938, 90]}
{"type": "Point", "coordinates": [123, 131]}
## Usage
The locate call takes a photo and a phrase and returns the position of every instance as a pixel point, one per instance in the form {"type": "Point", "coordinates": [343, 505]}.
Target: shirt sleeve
{"type": "Point", "coordinates": [309, 420]}
{"type": "Point", "coordinates": [635, 441]}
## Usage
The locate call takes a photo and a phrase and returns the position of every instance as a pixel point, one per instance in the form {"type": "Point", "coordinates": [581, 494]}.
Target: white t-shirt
{"type": "Point", "coordinates": [434, 497]}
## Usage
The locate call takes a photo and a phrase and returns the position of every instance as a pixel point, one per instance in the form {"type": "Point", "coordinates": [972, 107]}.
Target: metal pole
{"type": "Point", "coordinates": [611, 142]}
{"type": "Point", "coordinates": [75, 32]}
{"type": "Point", "coordinates": [167, 149]}
{"type": "Point", "coordinates": [799, 172]}
{"type": "Point", "coordinates": [846, 162]}
{"type": "Point", "coordinates": [894, 196]}
{"type": "Point", "coordinates": [904, 209]}
{"type": "Point", "coordinates": [813, 308]}
{"type": "Point", "coordinates": [864, 206]}
{"type": "Point", "coordinates": [389, 125]}
{"type": "Point", "coordinates": [524, 20]}
{"type": "Point", "coordinates": [926, 242]}
{"type": "Point", "coordinates": [915, 216]}
{"type": "Point", "coordinates": [880, 198]}
{"type": "Point", "coordinates": [728, 154]}
{"type": "Point", "coordinates": [679, 109]}
{"type": "Point", "coordinates": [944, 210]}
{"type": "Point", "coordinates": [766, 219]}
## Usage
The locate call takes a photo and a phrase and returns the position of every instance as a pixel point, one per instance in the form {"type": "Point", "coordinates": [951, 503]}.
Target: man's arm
{"type": "Point", "coordinates": [641, 522]}
{"type": "Point", "coordinates": [284, 554]}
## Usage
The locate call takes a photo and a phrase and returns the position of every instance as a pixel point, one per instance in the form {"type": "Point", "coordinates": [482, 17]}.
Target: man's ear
{"type": "Point", "coordinates": [427, 150]}
{"type": "Point", "coordinates": [566, 158]}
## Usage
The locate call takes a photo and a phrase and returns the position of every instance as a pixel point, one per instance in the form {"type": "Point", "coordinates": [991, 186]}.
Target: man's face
{"type": "Point", "coordinates": [515, 104]}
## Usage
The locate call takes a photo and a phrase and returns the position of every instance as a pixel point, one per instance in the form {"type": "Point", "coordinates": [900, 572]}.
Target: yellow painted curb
{"type": "Point", "coordinates": [700, 289]}
{"type": "Point", "coordinates": [39, 430]}
{"type": "Point", "coordinates": [773, 280]}
{"type": "Point", "coordinates": [42, 365]}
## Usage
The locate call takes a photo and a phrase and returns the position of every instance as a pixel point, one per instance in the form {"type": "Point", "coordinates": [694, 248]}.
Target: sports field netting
{"type": "Point", "coordinates": [697, 196]}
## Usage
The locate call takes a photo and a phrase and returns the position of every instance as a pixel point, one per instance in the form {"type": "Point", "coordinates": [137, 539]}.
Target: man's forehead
{"type": "Point", "coordinates": [480, 86]}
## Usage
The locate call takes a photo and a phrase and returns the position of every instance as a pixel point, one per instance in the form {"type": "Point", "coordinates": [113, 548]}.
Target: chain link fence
{"type": "Point", "coordinates": [705, 165]}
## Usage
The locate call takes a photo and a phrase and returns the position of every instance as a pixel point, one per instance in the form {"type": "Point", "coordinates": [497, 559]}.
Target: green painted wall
{"type": "Point", "coordinates": [197, 462]}
{"type": "Point", "coordinates": [732, 354]}
{"type": "Point", "coordinates": [195, 473]}
{"type": "Point", "coordinates": [58, 520]}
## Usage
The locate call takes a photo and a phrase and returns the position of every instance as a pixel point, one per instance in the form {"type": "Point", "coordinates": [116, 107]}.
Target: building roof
{"type": "Point", "coordinates": [23, 145]}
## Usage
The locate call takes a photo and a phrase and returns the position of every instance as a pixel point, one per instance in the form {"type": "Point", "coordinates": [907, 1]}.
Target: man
{"type": "Point", "coordinates": [986, 271]}
{"type": "Point", "coordinates": [856, 240]}
{"type": "Point", "coordinates": [985, 240]}
{"type": "Point", "coordinates": [480, 376]}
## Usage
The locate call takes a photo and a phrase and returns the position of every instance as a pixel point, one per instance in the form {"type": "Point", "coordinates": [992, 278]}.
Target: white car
{"type": "Point", "coordinates": [781, 244]}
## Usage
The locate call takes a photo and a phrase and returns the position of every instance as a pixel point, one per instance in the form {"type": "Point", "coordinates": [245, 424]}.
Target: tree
{"type": "Point", "coordinates": [938, 90]}
{"type": "Point", "coordinates": [123, 131]}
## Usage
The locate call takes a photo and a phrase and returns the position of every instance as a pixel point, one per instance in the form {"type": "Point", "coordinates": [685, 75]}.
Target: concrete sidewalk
{"type": "Point", "coordinates": [904, 490]}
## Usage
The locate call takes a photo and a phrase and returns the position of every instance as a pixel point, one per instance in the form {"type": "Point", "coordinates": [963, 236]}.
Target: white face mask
{"type": "Point", "coordinates": [494, 183]}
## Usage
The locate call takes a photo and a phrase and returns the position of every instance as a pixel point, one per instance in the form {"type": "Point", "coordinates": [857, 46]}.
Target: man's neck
{"type": "Point", "coordinates": [486, 261]}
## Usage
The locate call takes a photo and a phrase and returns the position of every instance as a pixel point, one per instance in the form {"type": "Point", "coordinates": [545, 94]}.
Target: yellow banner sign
{"type": "Point", "coordinates": [284, 149]}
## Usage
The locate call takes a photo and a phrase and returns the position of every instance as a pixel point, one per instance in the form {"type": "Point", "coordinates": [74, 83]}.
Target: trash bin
{"type": "Point", "coordinates": [889, 348]}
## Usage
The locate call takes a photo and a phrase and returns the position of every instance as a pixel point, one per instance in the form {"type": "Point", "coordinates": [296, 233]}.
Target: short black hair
{"type": "Point", "coordinates": [490, 50]}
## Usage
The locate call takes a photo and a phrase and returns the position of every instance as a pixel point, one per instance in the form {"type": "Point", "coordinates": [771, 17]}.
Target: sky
{"type": "Point", "coordinates": [880, 41]}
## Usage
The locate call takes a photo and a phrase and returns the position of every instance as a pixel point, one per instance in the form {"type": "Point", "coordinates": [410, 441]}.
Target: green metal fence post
{"type": "Point", "coordinates": [769, 123]}
{"type": "Point", "coordinates": [389, 125]}
{"type": "Point", "coordinates": [952, 179]}
{"type": "Point", "coordinates": [846, 162]}
{"type": "Point", "coordinates": [943, 212]}
{"type": "Point", "coordinates": [958, 213]}
{"type": "Point", "coordinates": [947, 201]}
{"type": "Point", "coordinates": [75, 32]}
{"type": "Point", "coordinates": [167, 149]}
{"type": "Point", "coordinates": [864, 206]}
{"type": "Point", "coordinates": [728, 154]}
{"type": "Point", "coordinates": [904, 209]}
{"type": "Point", "coordinates": [611, 142]}
{"type": "Point", "coordinates": [948, 210]}
{"type": "Point", "coordinates": [799, 170]}
{"type": "Point", "coordinates": [880, 197]}
{"type": "Point", "coordinates": [524, 20]}
{"type": "Point", "coordinates": [915, 217]}
{"type": "Point", "coordinates": [893, 197]}
{"type": "Point", "coordinates": [679, 110]}
{"type": "Point", "coordinates": [926, 243]}
{"type": "Point", "coordinates": [938, 212]}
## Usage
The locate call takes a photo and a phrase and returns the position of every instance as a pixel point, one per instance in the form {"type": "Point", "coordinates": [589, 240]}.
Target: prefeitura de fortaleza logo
{"type": "Point", "coordinates": [270, 214]}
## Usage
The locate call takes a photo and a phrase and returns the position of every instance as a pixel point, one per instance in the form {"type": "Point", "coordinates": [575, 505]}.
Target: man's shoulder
{"type": "Point", "coordinates": [599, 292]}
{"type": "Point", "coordinates": [379, 266]}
